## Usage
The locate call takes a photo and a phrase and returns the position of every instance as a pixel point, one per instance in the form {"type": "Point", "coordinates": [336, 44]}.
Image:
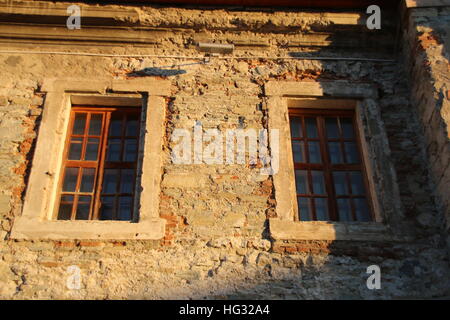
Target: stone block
{"type": "Point", "coordinates": [201, 218]}
{"type": "Point", "coordinates": [236, 220]}
{"type": "Point", "coordinates": [5, 203]}
{"type": "Point", "coordinates": [3, 101]}
{"type": "Point", "coordinates": [188, 180]}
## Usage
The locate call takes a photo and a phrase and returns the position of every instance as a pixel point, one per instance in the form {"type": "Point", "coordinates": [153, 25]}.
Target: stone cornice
{"type": "Point", "coordinates": [45, 22]}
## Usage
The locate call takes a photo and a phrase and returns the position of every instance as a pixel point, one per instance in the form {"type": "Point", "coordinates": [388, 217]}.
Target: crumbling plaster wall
{"type": "Point", "coordinates": [216, 243]}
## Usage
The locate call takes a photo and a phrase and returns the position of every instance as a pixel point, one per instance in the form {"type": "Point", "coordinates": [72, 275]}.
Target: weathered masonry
{"type": "Point", "coordinates": [88, 125]}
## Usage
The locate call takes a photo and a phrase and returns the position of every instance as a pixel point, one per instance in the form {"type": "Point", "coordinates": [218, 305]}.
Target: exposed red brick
{"type": "Point", "coordinates": [169, 217]}
{"type": "Point", "coordinates": [25, 146]}
{"type": "Point", "coordinates": [427, 40]}
{"type": "Point", "coordinates": [169, 237]}
{"type": "Point", "coordinates": [291, 249]}
{"type": "Point", "coordinates": [165, 197]}
{"type": "Point", "coordinates": [278, 249]}
{"type": "Point", "coordinates": [91, 244]}
{"type": "Point", "coordinates": [65, 244]}
{"type": "Point", "coordinates": [21, 169]}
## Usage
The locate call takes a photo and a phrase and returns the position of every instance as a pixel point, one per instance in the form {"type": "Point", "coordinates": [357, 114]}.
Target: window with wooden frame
{"type": "Point", "coordinates": [100, 162]}
{"type": "Point", "coordinates": [330, 176]}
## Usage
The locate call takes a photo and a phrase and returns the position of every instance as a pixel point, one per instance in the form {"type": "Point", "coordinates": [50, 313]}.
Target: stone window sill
{"type": "Point", "coordinates": [324, 230]}
{"type": "Point", "coordinates": [28, 229]}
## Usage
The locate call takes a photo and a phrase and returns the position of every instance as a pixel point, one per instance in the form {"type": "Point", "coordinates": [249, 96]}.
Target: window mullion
{"type": "Point", "coordinates": [77, 190]}
{"type": "Point", "coordinates": [327, 170]}
{"type": "Point", "coordinates": [85, 136]}
{"type": "Point", "coordinates": [100, 165]}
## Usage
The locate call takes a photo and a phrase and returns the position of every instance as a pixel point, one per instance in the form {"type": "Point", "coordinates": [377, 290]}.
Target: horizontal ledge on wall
{"type": "Point", "coordinates": [322, 230]}
{"type": "Point", "coordinates": [51, 12]}
{"type": "Point", "coordinates": [52, 9]}
{"type": "Point", "coordinates": [123, 100]}
{"type": "Point", "coordinates": [427, 3]}
{"type": "Point", "coordinates": [92, 35]}
{"type": "Point", "coordinates": [319, 89]}
{"type": "Point", "coordinates": [322, 103]}
{"type": "Point", "coordinates": [157, 87]}
{"type": "Point", "coordinates": [29, 229]}
{"type": "Point", "coordinates": [199, 58]}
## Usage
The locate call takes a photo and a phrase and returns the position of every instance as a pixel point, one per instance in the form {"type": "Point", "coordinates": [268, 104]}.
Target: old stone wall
{"type": "Point", "coordinates": [427, 50]}
{"type": "Point", "coordinates": [217, 243]}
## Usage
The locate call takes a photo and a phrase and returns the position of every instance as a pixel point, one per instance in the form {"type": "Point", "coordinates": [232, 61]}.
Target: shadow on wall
{"type": "Point", "coordinates": [163, 71]}
{"type": "Point", "coordinates": [338, 271]}
{"type": "Point", "coordinates": [156, 72]}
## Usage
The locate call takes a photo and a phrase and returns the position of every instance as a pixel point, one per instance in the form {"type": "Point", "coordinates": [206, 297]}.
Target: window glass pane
{"type": "Point", "coordinates": [130, 153]}
{"type": "Point", "coordinates": [298, 149]}
{"type": "Point", "coordinates": [351, 152]}
{"type": "Point", "coordinates": [113, 150]}
{"type": "Point", "coordinates": [296, 127]}
{"type": "Point", "coordinates": [357, 182]}
{"type": "Point", "coordinates": [95, 124]}
{"type": "Point", "coordinates": [126, 181]}
{"type": "Point", "coordinates": [362, 209]}
{"type": "Point", "coordinates": [107, 208]}
{"type": "Point", "coordinates": [340, 183]}
{"type": "Point", "coordinates": [75, 148]}
{"type": "Point", "coordinates": [125, 208]}
{"type": "Point", "coordinates": [79, 123]}
{"type": "Point", "coordinates": [92, 149]}
{"type": "Point", "coordinates": [318, 182]}
{"type": "Point", "coordinates": [110, 181]}
{"type": "Point", "coordinates": [344, 210]}
{"type": "Point", "coordinates": [66, 198]}
{"type": "Point", "coordinates": [132, 125]}
{"type": "Point", "coordinates": [311, 127]}
{"type": "Point", "coordinates": [115, 129]}
{"type": "Point", "coordinates": [83, 207]}
{"type": "Point", "coordinates": [87, 180]}
{"type": "Point", "coordinates": [70, 180]}
{"type": "Point", "coordinates": [304, 209]}
{"type": "Point", "coordinates": [65, 207]}
{"type": "Point", "coordinates": [332, 128]}
{"type": "Point", "coordinates": [314, 152]}
{"type": "Point", "coordinates": [335, 152]}
{"type": "Point", "coordinates": [321, 209]}
{"type": "Point", "coordinates": [347, 128]}
{"type": "Point", "coordinates": [301, 181]}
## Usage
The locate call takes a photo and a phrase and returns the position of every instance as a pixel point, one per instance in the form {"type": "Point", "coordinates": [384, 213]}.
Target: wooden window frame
{"type": "Point", "coordinates": [101, 163]}
{"type": "Point", "coordinates": [326, 166]}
